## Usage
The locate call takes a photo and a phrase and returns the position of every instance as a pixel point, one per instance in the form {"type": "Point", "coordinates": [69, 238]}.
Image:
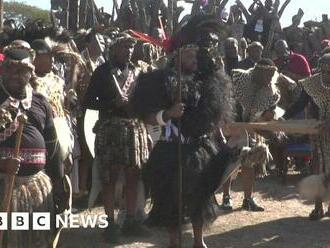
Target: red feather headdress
{"type": "Point", "coordinates": [189, 33]}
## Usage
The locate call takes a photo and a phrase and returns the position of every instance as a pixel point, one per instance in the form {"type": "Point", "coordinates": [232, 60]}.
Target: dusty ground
{"type": "Point", "coordinates": [282, 225]}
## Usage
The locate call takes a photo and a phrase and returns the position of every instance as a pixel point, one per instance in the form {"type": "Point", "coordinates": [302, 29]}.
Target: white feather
{"type": "Point", "coordinates": [313, 187]}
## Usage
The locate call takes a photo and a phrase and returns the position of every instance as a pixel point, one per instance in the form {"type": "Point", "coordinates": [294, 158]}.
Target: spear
{"type": "Point", "coordinates": [11, 178]}
{"type": "Point", "coordinates": [180, 204]}
{"type": "Point", "coordinates": [116, 6]}
{"type": "Point", "coordinates": [1, 15]}
{"type": "Point", "coordinates": [272, 29]}
{"type": "Point", "coordinates": [154, 15]}
{"type": "Point", "coordinates": [170, 16]}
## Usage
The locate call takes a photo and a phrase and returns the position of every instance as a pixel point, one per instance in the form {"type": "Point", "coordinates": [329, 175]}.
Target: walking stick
{"type": "Point", "coordinates": [11, 178]}
{"type": "Point", "coordinates": [322, 168]}
{"type": "Point", "coordinates": [180, 204]}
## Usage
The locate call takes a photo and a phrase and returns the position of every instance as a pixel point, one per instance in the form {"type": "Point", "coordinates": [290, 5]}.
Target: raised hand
{"type": "Point", "coordinates": [239, 3]}
{"type": "Point", "coordinates": [176, 111]}
{"type": "Point", "coordinates": [5, 117]}
{"type": "Point", "coordinates": [121, 100]}
{"type": "Point", "coordinates": [10, 165]}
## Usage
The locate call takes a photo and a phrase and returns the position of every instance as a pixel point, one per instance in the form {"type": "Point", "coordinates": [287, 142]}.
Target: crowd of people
{"type": "Point", "coordinates": [165, 105]}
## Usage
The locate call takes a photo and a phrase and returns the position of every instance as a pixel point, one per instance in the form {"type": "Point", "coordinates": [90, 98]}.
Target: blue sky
{"type": "Point", "coordinates": [313, 8]}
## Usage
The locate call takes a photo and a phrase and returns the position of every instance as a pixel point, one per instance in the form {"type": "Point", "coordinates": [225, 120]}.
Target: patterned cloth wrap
{"type": "Point", "coordinates": [253, 98]}
{"type": "Point", "coordinates": [52, 88]}
{"type": "Point", "coordinates": [254, 101]}
{"type": "Point", "coordinates": [121, 142]}
{"type": "Point", "coordinates": [31, 194]}
{"type": "Point", "coordinates": [321, 97]}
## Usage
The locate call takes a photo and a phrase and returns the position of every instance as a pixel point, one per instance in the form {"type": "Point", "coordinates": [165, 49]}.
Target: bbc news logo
{"type": "Point", "coordinates": [41, 221]}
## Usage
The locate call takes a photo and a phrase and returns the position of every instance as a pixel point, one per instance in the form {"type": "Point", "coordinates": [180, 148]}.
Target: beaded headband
{"type": "Point", "coordinates": [266, 67]}
{"type": "Point", "coordinates": [25, 61]}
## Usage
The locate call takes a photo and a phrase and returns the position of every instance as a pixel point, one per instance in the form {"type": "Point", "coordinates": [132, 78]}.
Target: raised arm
{"type": "Point", "coordinates": [252, 6]}
{"type": "Point", "coordinates": [285, 4]}
{"type": "Point", "coordinates": [299, 106]}
{"type": "Point", "coordinates": [244, 10]}
{"type": "Point", "coordinates": [54, 157]}
{"type": "Point", "coordinates": [222, 5]}
{"type": "Point", "coordinates": [276, 6]}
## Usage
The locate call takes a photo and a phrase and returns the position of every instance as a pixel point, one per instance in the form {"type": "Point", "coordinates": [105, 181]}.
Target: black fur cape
{"type": "Point", "coordinates": [204, 160]}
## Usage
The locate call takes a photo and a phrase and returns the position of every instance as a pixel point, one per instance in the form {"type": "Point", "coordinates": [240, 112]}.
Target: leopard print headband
{"type": "Point", "coordinates": [266, 67]}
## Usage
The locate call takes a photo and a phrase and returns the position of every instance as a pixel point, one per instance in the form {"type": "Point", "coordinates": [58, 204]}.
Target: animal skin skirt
{"type": "Point", "coordinates": [31, 194]}
{"type": "Point", "coordinates": [120, 142]}
{"type": "Point", "coordinates": [203, 167]}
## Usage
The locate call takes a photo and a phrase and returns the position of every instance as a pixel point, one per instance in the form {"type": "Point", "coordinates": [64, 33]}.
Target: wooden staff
{"type": "Point", "coordinates": [113, 13]}
{"type": "Point", "coordinates": [119, 90]}
{"type": "Point", "coordinates": [116, 6]}
{"type": "Point", "coordinates": [67, 15]}
{"type": "Point", "coordinates": [170, 16]}
{"type": "Point", "coordinates": [162, 27]}
{"type": "Point", "coordinates": [272, 29]}
{"type": "Point", "coordinates": [89, 62]}
{"type": "Point", "coordinates": [1, 15]}
{"type": "Point", "coordinates": [268, 47]}
{"type": "Point", "coordinates": [11, 178]}
{"type": "Point", "coordinates": [290, 126]}
{"type": "Point", "coordinates": [180, 204]}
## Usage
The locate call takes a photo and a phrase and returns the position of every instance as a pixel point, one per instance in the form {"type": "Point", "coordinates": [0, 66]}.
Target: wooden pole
{"type": "Point", "coordinates": [180, 175]}
{"type": "Point", "coordinates": [154, 16]}
{"type": "Point", "coordinates": [310, 126]}
{"type": "Point", "coordinates": [9, 187]}
{"type": "Point", "coordinates": [73, 15]}
{"type": "Point", "coordinates": [116, 6]}
{"type": "Point", "coordinates": [196, 7]}
{"type": "Point", "coordinates": [211, 8]}
{"type": "Point", "coordinates": [67, 15]}
{"type": "Point", "coordinates": [222, 5]}
{"type": "Point", "coordinates": [170, 8]}
{"type": "Point", "coordinates": [113, 14]}
{"type": "Point", "coordinates": [85, 14]}
{"type": "Point", "coordinates": [269, 44]}
{"type": "Point", "coordinates": [98, 15]}
{"type": "Point", "coordinates": [1, 15]}
{"type": "Point", "coordinates": [272, 29]}
{"type": "Point", "coordinates": [176, 14]}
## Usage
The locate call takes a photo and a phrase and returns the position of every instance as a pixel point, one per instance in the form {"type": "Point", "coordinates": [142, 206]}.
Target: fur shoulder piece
{"type": "Point", "coordinates": [226, 96]}
{"type": "Point", "coordinates": [150, 94]}
{"type": "Point", "coordinates": [312, 84]}
{"type": "Point", "coordinates": [240, 79]}
{"type": "Point", "coordinates": [314, 89]}
{"type": "Point", "coordinates": [319, 94]}
{"type": "Point", "coordinates": [253, 98]}
{"type": "Point", "coordinates": [214, 108]}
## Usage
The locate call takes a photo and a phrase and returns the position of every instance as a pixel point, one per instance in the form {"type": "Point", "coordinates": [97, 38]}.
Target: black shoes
{"type": "Point", "coordinates": [227, 203]}
{"type": "Point", "coordinates": [317, 214]}
{"type": "Point", "coordinates": [111, 233]}
{"type": "Point", "coordinates": [250, 205]}
{"type": "Point", "coordinates": [132, 227]}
